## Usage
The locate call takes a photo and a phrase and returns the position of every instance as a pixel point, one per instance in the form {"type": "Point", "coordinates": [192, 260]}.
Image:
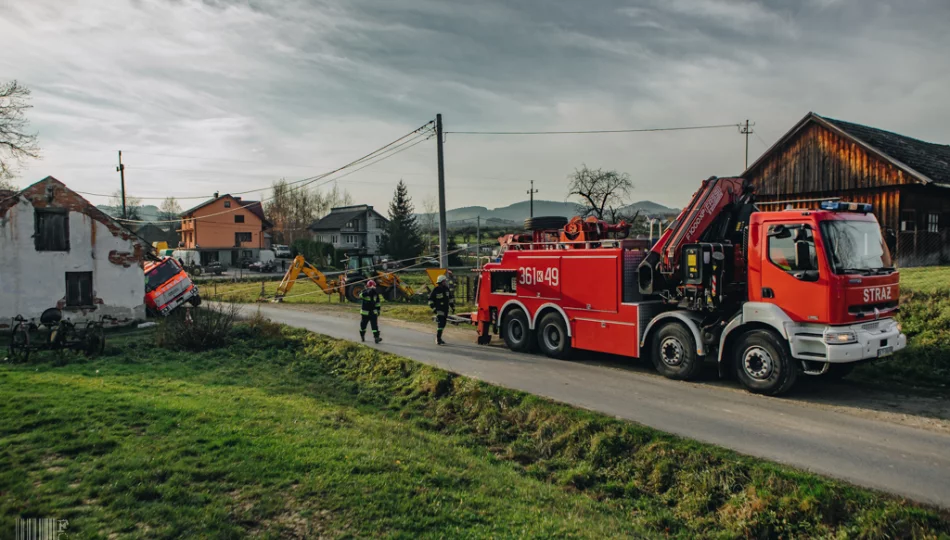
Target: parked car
{"type": "Point", "coordinates": [215, 268]}
{"type": "Point", "coordinates": [428, 261]}
{"type": "Point", "coordinates": [281, 251]}
{"type": "Point", "coordinates": [262, 266]}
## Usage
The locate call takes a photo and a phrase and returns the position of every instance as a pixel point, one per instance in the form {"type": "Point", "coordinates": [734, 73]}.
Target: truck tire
{"type": "Point", "coordinates": [552, 336]}
{"type": "Point", "coordinates": [517, 333]}
{"type": "Point", "coordinates": [764, 364]}
{"type": "Point", "coordinates": [674, 352]}
{"type": "Point", "coordinates": [545, 223]}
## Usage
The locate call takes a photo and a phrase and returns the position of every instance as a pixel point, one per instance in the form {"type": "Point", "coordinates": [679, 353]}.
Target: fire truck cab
{"type": "Point", "coordinates": [168, 286]}
{"type": "Point", "coordinates": [765, 295]}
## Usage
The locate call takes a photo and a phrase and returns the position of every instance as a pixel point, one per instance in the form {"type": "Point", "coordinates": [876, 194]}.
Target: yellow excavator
{"type": "Point", "coordinates": [301, 266]}
{"type": "Point", "coordinates": [350, 284]}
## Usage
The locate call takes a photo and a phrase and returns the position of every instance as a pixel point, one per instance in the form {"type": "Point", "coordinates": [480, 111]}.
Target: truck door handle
{"type": "Point", "coordinates": [767, 292]}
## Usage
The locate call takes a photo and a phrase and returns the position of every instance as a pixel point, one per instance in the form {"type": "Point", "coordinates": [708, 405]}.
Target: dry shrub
{"type": "Point", "coordinates": [262, 327]}
{"type": "Point", "coordinates": [198, 329]}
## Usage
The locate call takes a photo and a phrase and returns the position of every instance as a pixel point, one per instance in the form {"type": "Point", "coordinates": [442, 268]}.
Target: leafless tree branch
{"type": "Point", "coordinates": [16, 144]}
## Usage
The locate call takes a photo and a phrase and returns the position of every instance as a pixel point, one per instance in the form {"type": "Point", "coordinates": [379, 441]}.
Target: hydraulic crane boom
{"type": "Point", "coordinates": [301, 266]}
{"type": "Point", "coordinates": [717, 212]}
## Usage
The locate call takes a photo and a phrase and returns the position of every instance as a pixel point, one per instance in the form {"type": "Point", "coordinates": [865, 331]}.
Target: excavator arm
{"type": "Point", "coordinates": [302, 266]}
{"type": "Point", "coordinates": [717, 212]}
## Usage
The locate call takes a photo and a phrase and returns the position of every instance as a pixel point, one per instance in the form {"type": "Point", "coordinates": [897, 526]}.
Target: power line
{"type": "Point", "coordinates": [415, 135]}
{"type": "Point", "coordinates": [592, 131]}
{"type": "Point", "coordinates": [376, 156]}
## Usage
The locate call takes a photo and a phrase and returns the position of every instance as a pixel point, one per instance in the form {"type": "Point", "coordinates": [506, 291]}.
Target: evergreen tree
{"type": "Point", "coordinates": [401, 239]}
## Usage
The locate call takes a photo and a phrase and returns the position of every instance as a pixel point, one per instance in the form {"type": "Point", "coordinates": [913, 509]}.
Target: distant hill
{"type": "Point", "coordinates": [516, 213]}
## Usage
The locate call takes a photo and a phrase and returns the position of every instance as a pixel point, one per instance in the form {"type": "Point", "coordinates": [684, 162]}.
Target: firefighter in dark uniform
{"type": "Point", "coordinates": [439, 303]}
{"type": "Point", "coordinates": [370, 303]}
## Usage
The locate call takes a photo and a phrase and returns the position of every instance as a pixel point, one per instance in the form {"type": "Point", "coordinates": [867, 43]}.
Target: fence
{"type": "Point", "coordinates": [920, 247]}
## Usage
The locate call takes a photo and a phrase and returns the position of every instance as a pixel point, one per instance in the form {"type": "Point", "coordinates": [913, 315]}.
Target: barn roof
{"type": "Point", "coordinates": [925, 161]}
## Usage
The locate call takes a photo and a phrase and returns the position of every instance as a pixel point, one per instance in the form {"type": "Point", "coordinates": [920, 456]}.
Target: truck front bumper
{"type": "Point", "coordinates": [843, 344]}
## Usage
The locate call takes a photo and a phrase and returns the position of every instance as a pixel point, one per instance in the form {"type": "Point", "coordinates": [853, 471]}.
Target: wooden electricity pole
{"type": "Point", "coordinates": [121, 169]}
{"type": "Point", "coordinates": [531, 193]}
{"type": "Point", "coordinates": [443, 232]}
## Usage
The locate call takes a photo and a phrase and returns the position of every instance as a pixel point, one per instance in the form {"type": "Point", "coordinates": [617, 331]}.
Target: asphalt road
{"type": "Point", "coordinates": [907, 461]}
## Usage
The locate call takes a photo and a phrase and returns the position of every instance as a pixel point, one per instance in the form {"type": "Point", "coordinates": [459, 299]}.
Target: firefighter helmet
{"type": "Point", "coordinates": [440, 279]}
{"type": "Point", "coordinates": [370, 284]}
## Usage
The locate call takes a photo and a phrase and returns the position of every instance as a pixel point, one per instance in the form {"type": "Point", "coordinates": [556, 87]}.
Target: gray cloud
{"type": "Point", "coordinates": [300, 87]}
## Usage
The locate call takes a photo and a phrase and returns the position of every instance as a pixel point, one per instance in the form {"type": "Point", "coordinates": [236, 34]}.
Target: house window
{"type": "Point", "coordinates": [933, 222]}
{"type": "Point", "coordinates": [240, 237]}
{"type": "Point", "coordinates": [239, 219]}
{"type": "Point", "coordinates": [377, 239]}
{"type": "Point", "coordinates": [908, 221]}
{"type": "Point", "coordinates": [247, 254]}
{"type": "Point", "coordinates": [380, 224]}
{"type": "Point", "coordinates": [51, 230]}
{"type": "Point", "coordinates": [227, 204]}
{"type": "Point", "coordinates": [79, 289]}
{"type": "Point", "coordinates": [333, 239]}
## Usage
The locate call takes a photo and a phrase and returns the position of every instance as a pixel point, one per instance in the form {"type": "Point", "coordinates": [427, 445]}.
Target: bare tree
{"type": "Point", "coordinates": [170, 209]}
{"type": "Point", "coordinates": [293, 208]}
{"type": "Point", "coordinates": [15, 143]}
{"type": "Point", "coordinates": [133, 205]}
{"type": "Point", "coordinates": [601, 192]}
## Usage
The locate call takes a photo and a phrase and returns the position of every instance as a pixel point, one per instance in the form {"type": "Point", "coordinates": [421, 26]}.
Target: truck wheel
{"type": "Point", "coordinates": [764, 364]}
{"type": "Point", "coordinates": [517, 333]}
{"type": "Point", "coordinates": [837, 372]}
{"type": "Point", "coordinates": [552, 336]}
{"type": "Point", "coordinates": [674, 352]}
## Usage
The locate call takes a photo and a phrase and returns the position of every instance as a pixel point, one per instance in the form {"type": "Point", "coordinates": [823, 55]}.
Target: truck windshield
{"type": "Point", "coordinates": [855, 246]}
{"type": "Point", "coordinates": [160, 274]}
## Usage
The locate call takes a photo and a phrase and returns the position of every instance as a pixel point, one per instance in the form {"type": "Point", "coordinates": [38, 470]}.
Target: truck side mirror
{"type": "Point", "coordinates": [803, 255]}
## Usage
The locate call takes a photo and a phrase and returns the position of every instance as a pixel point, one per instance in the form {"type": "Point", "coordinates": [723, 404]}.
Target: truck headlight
{"type": "Point", "coordinates": [840, 338]}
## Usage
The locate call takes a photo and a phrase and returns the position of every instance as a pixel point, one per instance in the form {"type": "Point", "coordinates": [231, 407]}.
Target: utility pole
{"type": "Point", "coordinates": [746, 130]}
{"type": "Point", "coordinates": [121, 169]}
{"type": "Point", "coordinates": [478, 241]}
{"type": "Point", "coordinates": [443, 232]}
{"type": "Point", "coordinates": [531, 193]}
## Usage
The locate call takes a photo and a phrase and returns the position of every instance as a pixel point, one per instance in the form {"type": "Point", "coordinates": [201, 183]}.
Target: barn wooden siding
{"type": "Point", "coordinates": [819, 163]}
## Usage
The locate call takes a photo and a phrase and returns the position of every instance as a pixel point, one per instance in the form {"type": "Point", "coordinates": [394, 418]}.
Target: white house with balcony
{"type": "Point", "coordinates": [356, 228]}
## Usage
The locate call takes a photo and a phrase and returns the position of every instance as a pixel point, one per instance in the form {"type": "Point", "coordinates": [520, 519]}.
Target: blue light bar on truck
{"type": "Point", "coordinates": [840, 206]}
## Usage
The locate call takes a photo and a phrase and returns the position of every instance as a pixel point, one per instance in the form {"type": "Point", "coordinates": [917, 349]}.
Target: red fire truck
{"type": "Point", "coordinates": [765, 295]}
{"type": "Point", "coordinates": [168, 286]}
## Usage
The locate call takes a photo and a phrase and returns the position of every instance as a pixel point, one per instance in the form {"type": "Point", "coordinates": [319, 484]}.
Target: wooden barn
{"type": "Point", "coordinates": [906, 180]}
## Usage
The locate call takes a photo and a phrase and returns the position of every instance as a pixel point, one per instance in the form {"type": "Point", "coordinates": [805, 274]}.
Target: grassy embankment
{"type": "Point", "coordinates": [288, 433]}
{"type": "Point", "coordinates": [925, 318]}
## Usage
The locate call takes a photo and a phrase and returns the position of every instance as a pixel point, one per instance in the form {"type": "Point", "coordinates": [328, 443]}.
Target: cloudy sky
{"type": "Point", "coordinates": [228, 95]}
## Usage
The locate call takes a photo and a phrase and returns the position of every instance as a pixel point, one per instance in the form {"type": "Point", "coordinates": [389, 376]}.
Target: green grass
{"type": "Point", "coordinates": [291, 433]}
{"type": "Point", "coordinates": [925, 318]}
{"type": "Point", "coordinates": [926, 279]}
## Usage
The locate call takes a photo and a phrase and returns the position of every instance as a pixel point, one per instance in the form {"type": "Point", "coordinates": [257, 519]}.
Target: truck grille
{"type": "Point", "coordinates": [870, 327]}
{"type": "Point", "coordinates": [171, 293]}
{"type": "Point", "coordinates": [868, 309]}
